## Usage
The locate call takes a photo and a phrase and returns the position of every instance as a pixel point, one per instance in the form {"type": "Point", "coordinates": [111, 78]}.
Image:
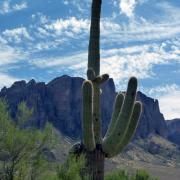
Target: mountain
{"type": "Point", "coordinates": [174, 130]}
{"type": "Point", "coordinates": [59, 102]}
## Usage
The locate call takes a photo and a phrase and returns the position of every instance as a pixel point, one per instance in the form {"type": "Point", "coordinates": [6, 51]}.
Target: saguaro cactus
{"type": "Point", "coordinates": [125, 114]}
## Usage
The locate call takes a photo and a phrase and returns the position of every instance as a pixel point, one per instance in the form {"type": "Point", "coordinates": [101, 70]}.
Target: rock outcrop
{"type": "Point", "coordinates": [59, 102]}
{"type": "Point", "coordinates": [174, 130]}
{"type": "Point", "coordinates": [152, 120]}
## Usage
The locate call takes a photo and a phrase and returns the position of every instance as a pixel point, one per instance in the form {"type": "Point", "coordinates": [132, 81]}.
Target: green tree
{"type": "Point", "coordinates": [21, 149]}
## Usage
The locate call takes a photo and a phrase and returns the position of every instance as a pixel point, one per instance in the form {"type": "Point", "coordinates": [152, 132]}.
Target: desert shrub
{"type": "Point", "coordinates": [123, 175]}
{"type": "Point", "coordinates": [117, 175]}
{"type": "Point", "coordinates": [142, 175]}
{"type": "Point", "coordinates": [71, 169]}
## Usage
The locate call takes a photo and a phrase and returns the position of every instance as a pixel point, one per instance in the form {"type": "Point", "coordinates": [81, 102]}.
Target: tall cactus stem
{"type": "Point", "coordinates": [94, 42]}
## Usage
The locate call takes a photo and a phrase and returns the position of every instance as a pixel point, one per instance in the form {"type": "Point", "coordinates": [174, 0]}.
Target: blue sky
{"type": "Point", "coordinates": [45, 39]}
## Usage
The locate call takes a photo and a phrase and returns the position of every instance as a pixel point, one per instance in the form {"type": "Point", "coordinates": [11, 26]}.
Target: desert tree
{"type": "Point", "coordinates": [21, 149]}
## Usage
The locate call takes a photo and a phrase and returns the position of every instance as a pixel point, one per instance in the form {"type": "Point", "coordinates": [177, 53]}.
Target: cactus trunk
{"type": "Point", "coordinates": [95, 158]}
{"type": "Point", "coordinates": [95, 164]}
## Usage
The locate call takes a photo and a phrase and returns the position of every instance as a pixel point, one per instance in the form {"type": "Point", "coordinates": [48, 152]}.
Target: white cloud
{"type": "Point", "coordinates": [8, 7]}
{"type": "Point", "coordinates": [111, 32]}
{"type": "Point", "coordinates": [40, 18]}
{"type": "Point", "coordinates": [162, 90]}
{"type": "Point", "coordinates": [18, 7]}
{"type": "Point", "coordinates": [71, 24]}
{"type": "Point", "coordinates": [6, 80]}
{"type": "Point", "coordinates": [127, 7]}
{"type": "Point", "coordinates": [170, 104]}
{"type": "Point", "coordinates": [135, 61]}
{"type": "Point", "coordinates": [16, 35]}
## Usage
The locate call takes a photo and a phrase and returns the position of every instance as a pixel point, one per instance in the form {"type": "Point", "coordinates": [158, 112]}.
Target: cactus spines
{"type": "Point", "coordinates": [125, 115]}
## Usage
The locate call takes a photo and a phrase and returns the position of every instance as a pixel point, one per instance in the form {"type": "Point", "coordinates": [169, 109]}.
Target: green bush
{"type": "Point", "coordinates": [143, 175]}
{"type": "Point", "coordinates": [117, 175]}
{"type": "Point", "coordinates": [71, 169]}
{"type": "Point", "coordinates": [123, 175]}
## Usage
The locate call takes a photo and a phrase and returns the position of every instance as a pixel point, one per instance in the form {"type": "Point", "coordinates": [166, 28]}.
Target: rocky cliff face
{"type": "Point", "coordinates": [59, 102]}
{"type": "Point", "coordinates": [152, 120]}
{"type": "Point", "coordinates": [174, 130]}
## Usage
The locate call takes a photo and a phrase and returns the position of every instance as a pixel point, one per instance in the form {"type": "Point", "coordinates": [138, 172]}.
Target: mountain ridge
{"type": "Point", "coordinates": [60, 102]}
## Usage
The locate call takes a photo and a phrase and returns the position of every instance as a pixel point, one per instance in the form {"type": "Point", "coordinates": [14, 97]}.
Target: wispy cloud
{"type": "Point", "coordinates": [18, 7]}
{"type": "Point", "coordinates": [56, 62]}
{"type": "Point", "coordinates": [8, 7]}
{"type": "Point", "coordinates": [140, 31]}
{"type": "Point", "coordinates": [137, 60]}
{"type": "Point", "coordinates": [77, 29]}
{"type": "Point", "coordinates": [71, 24]}
{"type": "Point", "coordinates": [78, 4]}
{"type": "Point", "coordinates": [161, 90]}
{"type": "Point", "coordinates": [10, 55]}
{"type": "Point", "coordinates": [16, 35]}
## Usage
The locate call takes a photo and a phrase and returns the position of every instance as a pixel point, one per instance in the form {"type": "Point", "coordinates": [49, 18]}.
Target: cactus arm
{"type": "Point", "coordinates": [116, 110]}
{"type": "Point", "coordinates": [87, 120]}
{"type": "Point", "coordinates": [130, 131]}
{"type": "Point", "coordinates": [94, 55]}
{"type": "Point", "coordinates": [98, 79]}
{"type": "Point", "coordinates": [91, 74]}
{"type": "Point", "coordinates": [101, 79]}
{"type": "Point", "coordinates": [132, 126]}
{"type": "Point", "coordinates": [123, 120]}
